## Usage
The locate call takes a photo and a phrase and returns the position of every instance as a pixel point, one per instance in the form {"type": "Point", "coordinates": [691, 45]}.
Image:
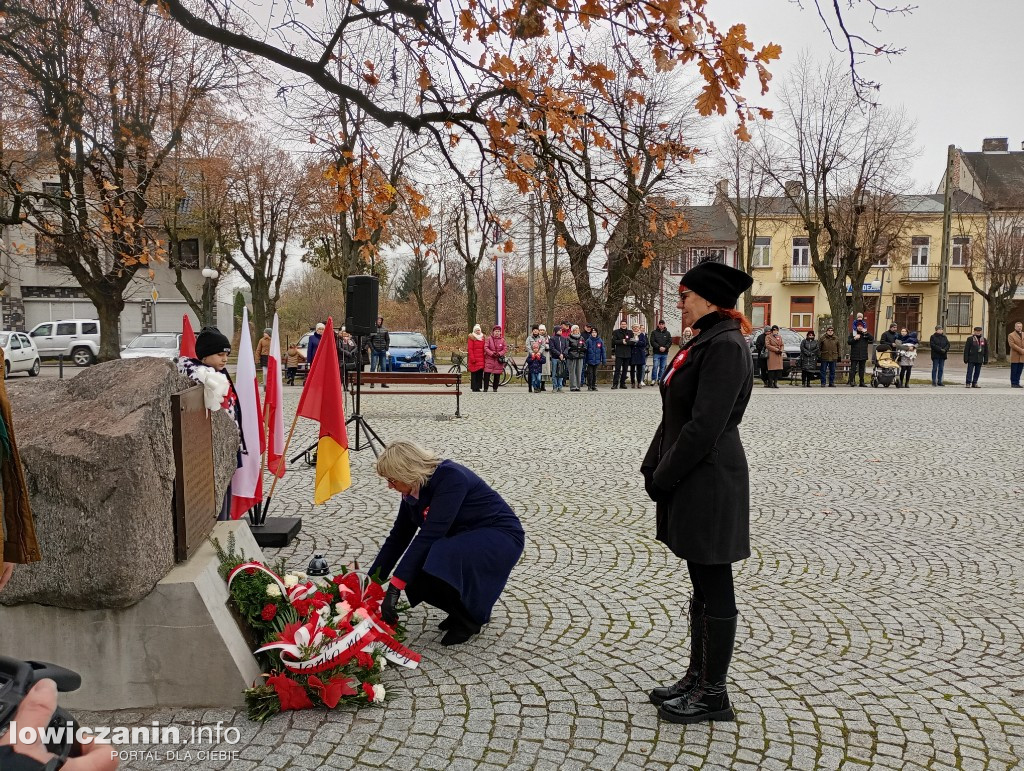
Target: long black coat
{"type": "Point", "coordinates": [696, 454]}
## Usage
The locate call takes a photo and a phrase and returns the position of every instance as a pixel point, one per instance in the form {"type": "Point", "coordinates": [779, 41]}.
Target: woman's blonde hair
{"type": "Point", "coordinates": [407, 462]}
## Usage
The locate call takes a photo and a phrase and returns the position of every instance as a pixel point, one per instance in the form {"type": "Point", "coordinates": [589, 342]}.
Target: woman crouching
{"type": "Point", "coordinates": [455, 540]}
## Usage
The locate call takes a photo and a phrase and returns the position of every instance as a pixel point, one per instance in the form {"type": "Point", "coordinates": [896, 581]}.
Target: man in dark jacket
{"type": "Point", "coordinates": [829, 357]}
{"type": "Point", "coordinates": [622, 339]}
{"type": "Point", "coordinates": [939, 346]}
{"type": "Point", "coordinates": [762, 355]}
{"type": "Point", "coordinates": [890, 337]}
{"type": "Point", "coordinates": [859, 342]}
{"type": "Point", "coordinates": [558, 347]}
{"type": "Point", "coordinates": [975, 356]}
{"type": "Point", "coordinates": [661, 341]}
{"type": "Point", "coordinates": [380, 341]}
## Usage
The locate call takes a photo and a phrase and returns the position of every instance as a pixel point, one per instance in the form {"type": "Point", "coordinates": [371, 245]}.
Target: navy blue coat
{"type": "Point", "coordinates": [640, 349]}
{"type": "Point", "coordinates": [460, 531]}
{"type": "Point", "coordinates": [595, 350]}
{"type": "Point", "coordinates": [535, 366]}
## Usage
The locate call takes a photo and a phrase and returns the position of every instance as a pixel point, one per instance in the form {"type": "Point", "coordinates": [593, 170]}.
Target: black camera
{"type": "Point", "coordinates": [17, 678]}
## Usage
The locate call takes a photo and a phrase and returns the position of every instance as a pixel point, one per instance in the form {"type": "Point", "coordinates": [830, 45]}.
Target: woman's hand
{"type": "Point", "coordinates": [389, 607]}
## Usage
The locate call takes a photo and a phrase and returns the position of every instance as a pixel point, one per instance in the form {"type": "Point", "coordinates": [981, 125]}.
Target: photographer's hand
{"type": "Point", "coordinates": [35, 711]}
{"type": "Point", "coordinates": [6, 570]}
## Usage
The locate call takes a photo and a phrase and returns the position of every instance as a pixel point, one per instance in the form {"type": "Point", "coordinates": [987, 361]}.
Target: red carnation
{"type": "Point", "coordinates": [368, 690]}
{"type": "Point", "coordinates": [364, 660]}
{"type": "Point", "coordinates": [289, 693]}
{"type": "Point", "coordinates": [250, 571]}
{"type": "Point", "coordinates": [269, 611]}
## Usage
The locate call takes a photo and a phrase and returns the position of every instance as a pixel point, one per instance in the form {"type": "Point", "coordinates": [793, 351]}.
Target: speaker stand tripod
{"type": "Point", "coordinates": [357, 417]}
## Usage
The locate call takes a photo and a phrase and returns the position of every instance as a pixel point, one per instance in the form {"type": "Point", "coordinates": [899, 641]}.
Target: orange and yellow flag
{"type": "Point", "coordinates": [322, 401]}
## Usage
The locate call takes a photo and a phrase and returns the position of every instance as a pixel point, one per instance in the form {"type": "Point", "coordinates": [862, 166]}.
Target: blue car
{"type": "Point", "coordinates": [410, 351]}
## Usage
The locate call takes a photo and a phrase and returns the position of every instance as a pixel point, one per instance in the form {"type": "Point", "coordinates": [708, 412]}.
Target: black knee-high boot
{"type": "Point", "coordinates": [692, 677]}
{"type": "Point", "coordinates": [710, 699]}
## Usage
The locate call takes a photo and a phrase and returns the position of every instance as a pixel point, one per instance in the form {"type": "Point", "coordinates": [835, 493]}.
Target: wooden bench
{"type": "Point", "coordinates": [404, 384]}
{"type": "Point", "coordinates": [842, 372]}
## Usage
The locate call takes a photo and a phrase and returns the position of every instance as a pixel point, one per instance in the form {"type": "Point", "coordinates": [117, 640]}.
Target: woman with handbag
{"type": "Point", "coordinates": [495, 351]}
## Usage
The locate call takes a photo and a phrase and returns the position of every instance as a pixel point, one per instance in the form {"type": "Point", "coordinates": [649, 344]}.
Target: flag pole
{"type": "Point", "coordinates": [261, 515]}
{"type": "Point", "coordinates": [284, 454]}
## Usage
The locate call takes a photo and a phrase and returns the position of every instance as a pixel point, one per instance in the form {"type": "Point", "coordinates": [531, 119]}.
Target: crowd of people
{"type": "Point", "coordinates": [570, 355]}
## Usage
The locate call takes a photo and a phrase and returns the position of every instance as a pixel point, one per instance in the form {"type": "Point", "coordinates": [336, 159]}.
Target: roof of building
{"type": "Point", "coordinates": [1000, 175]}
{"type": "Point", "coordinates": [708, 223]}
{"type": "Point", "coordinates": [928, 203]}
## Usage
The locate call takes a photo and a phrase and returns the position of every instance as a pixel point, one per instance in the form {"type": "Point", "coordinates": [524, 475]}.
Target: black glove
{"type": "Point", "coordinates": [389, 608]}
{"type": "Point", "coordinates": [654, 492]}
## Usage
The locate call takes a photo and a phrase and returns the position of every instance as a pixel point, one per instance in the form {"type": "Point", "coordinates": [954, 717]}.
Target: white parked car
{"type": "Point", "coordinates": [162, 345]}
{"type": "Point", "coordinates": [20, 354]}
{"type": "Point", "coordinates": [75, 339]}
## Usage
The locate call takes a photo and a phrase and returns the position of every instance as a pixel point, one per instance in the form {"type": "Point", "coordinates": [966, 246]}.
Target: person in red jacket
{"type": "Point", "coordinates": [475, 356]}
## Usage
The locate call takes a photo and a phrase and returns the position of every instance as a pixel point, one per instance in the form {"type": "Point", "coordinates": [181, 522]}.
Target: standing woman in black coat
{"type": "Point", "coordinates": [696, 472]}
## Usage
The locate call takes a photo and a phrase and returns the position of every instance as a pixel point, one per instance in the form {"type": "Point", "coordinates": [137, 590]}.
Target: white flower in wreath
{"type": "Point", "coordinates": [383, 663]}
{"type": "Point", "coordinates": [273, 590]}
{"type": "Point", "coordinates": [358, 615]}
{"type": "Point", "coordinates": [342, 609]}
{"type": "Point", "coordinates": [301, 576]}
{"type": "Point", "coordinates": [290, 581]}
{"type": "Point", "coordinates": [378, 693]}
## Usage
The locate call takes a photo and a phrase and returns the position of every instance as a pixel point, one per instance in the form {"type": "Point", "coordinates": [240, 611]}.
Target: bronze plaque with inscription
{"type": "Point", "coordinates": [195, 501]}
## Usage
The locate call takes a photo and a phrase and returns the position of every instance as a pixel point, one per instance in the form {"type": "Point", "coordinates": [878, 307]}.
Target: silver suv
{"type": "Point", "coordinates": [75, 339]}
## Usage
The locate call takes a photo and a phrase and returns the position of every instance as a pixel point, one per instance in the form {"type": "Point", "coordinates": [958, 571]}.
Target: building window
{"type": "Point", "coordinates": [801, 313]}
{"type": "Point", "coordinates": [762, 256]}
{"type": "Point", "coordinates": [907, 312]}
{"type": "Point", "coordinates": [46, 250]}
{"type": "Point", "coordinates": [960, 310]}
{"type": "Point", "coordinates": [54, 197]}
{"type": "Point", "coordinates": [761, 313]}
{"type": "Point", "coordinates": [919, 248]}
{"type": "Point", "coordinates": [960, 253]}
{"type": "Point", "coordinates": [188, 253]}
{"type": "Point", "coordinates": [801, 251]}
{"type": "Point", "coordinates": [690, 257]}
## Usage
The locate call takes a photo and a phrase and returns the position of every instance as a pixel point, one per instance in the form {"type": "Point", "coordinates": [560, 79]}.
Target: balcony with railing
{"type": "Point", "coordinates": [920, 274]}
{"type": "Point", "coordinates": [799, 274]}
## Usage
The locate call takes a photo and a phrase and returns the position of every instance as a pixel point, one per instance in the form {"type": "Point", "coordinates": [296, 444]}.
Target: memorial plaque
{"type": "Point", "coordinates": [195, 501]}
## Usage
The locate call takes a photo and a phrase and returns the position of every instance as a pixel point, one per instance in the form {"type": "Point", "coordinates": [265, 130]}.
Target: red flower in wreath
{"type": "Point", "coordinates": [269, 611]}
{"type": "Point", "coordinates": [330, 693]}
{"type": "Point", "coordinates": [289, 693]}
{"type": "Point", "coordinates": [364, 660]}
{"type": "Point", "coordinates": [368, 690]}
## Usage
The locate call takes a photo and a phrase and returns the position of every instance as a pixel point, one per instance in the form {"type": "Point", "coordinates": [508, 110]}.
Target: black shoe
{"type": "Point", "coordinates": [460, 628]}
{"type": "Point", "coordinates": [831, 385]}
{"type": "Point", "coordinates": [862, 385]}
{"type": "Point", "coordinates": [975, 385]}
{"type": "Point", "coordinates": [660, 695]}
{"type": "Point", "coordinates": [614, 387]}
{"type": "Point", "coordinates": [710, 699]}
{"type": "Point", "coordinates": [445, 625]}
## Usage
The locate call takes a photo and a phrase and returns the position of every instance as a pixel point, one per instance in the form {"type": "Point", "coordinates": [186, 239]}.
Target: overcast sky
{"type": "Point", "coordinates": [959, 77]}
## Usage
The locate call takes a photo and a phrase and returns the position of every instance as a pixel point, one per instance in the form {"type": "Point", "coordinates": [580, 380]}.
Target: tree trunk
{"type": "Point", "coordinates": [998, 311]}
{"type": "Point", "coordinates": [108, 311]}
{"type": "Point", "coordinates": [838, 304]}
{"type": "Point", "coordinates": [471, 297]}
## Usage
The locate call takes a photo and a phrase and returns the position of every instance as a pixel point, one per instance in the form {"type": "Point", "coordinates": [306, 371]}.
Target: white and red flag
{"type": "Point", "coordinates": [273, 387]}
{"type": "Point", "coordinates": [247, 483]}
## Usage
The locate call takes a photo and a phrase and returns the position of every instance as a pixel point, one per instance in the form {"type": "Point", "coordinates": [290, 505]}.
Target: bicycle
{"type": "Point", "coordinates": [511, 370]}
{"type": "Point", "coordinates": [423, 364]}
{"type": "Point", "coordinates": [456, 368]}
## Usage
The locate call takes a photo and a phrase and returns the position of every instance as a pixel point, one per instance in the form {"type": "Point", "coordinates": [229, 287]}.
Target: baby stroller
{"type": "Point", "coordinates": [886, 367]}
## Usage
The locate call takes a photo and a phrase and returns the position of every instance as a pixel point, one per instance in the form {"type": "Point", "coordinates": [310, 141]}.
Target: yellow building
{"type": "Point", "coordinates": [903, 287]}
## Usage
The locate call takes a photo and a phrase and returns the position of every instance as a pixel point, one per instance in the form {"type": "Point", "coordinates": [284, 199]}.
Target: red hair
{"type": "Point", "coordinates": [731, 313]}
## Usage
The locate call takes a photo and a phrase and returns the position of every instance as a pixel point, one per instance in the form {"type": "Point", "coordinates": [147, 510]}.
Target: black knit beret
{"type": "Point", "coordinates": [717, 283]}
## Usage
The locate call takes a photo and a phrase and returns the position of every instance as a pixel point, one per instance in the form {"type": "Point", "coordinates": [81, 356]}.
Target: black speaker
{"type": "Point", "coordinates": [361, 305]}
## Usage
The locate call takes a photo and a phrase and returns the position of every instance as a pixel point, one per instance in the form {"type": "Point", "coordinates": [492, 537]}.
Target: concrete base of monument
{"type": "Point", "coordinates": [180, 646]}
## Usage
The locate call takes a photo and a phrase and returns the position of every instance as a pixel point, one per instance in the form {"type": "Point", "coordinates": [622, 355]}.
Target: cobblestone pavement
{"type": "Point", "coordinates": [881, 619]}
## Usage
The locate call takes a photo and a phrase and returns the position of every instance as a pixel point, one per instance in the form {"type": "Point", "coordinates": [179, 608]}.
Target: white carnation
{"type": "Point", "coordinates": [290, 581]}
{"type": "Point", "coordinates": [273, 590]}
{"type": "Point", "coordinates": [378, 693]}
{"type": "Point", "coordinates": [342, 608]}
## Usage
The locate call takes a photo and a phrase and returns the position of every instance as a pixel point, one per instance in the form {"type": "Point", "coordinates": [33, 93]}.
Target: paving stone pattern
{"type": "Point", "coordinates": [881, 619]}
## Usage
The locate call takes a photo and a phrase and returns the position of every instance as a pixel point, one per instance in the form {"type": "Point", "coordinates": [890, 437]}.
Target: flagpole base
{"type": "Point", "coordinates": [276, 532]}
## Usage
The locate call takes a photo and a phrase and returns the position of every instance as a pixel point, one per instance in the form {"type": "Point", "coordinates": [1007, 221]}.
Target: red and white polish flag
{"type": "Point", "coordinates": [272, 390]}
{"type": "Point", "coordinates": [247, 483]}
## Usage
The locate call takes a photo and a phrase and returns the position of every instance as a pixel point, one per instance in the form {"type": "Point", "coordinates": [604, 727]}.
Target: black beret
{"type": "Point", "coordinates": [717, 283]}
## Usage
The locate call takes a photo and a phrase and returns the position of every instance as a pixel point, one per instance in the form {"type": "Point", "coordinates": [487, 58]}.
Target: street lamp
{"type": "Point", "coordinates": [210, 275]}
